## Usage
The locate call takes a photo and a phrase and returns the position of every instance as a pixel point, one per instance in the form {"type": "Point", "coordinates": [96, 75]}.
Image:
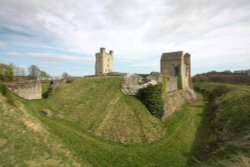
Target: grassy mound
{"type": "Point", "coordinates": [226, 140]}
{"type": "Point", "coordinates": [173, 149]}
{"type": "Point", "coordinates": [29, 137]}
{"type": "Point", "coordinates": [98, 105]}
{"type": "Point", "coordinates": [26, 141]}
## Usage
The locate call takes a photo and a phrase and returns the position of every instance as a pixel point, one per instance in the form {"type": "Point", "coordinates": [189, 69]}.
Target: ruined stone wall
{"type": "Point", "coordinates": [168, 68]}
{"type": "Point", "coordinates": [133, 82]}
{"type": "Point", "coordinates": [30, 89]}
{"type": "Point", "coordinates": [176, 69]}
{"type": "Point", "coordinates": [154, 76]}
{"type": "Point", "coordinates": [175, 66]}
{"type": "Point", "coordinates": [104, 62]}
{"type": "Point", "coordinates": [176, 99]}
{"type": "Point", "coordinates": [56, 83]}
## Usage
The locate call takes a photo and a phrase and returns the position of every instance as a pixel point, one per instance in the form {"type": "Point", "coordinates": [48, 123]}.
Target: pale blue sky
{"type": "Point", "coordinates": [63, 36]}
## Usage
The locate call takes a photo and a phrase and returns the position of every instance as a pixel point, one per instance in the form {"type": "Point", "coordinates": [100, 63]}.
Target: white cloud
{"type": "Point", "coordinates": [52, 57]}
{"type": "Point", "coordinates": [2, 44]}
{"type": "Point", "coordinates": [214, 32]}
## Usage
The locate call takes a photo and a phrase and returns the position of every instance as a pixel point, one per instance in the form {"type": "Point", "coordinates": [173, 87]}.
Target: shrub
{"type": "Point", "coordinates": [6, 73]}
{"type": "Point", "coordinates": [218, 91]}
{"type": "Point", "coordinates": [222, 77]}
{"type": "Point", "coordinates": [5, 92]}
{"type": "Point", "coordinates": [151, 97]}
{"type": "Point", "coordinates": [70, 80]}
{"type": "Point", "coordinates": [3, 89]}
{"type": "Point", "coordinates": [47, 93]}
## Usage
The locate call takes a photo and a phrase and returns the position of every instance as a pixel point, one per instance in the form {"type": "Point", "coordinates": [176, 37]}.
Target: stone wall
{"type": "Point", "coordinates": [175, 66]}
{"type": "Point", "coordinates": [176, 99]}
{"type": "Point", "coordinates": [176, 70]}
{"type": "Point", "coordinates": [30, 89]}
{"type": "Point", "coordinates": [56, 83]}
{"type": "Point", "coordinates": [133, 82]}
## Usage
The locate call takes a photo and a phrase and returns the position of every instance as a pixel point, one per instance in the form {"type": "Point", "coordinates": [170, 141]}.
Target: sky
{"type": "Point", "coordinates": [64, 35]}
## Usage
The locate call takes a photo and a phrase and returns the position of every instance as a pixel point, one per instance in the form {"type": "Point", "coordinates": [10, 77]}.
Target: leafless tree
{"type": "Point", "coordinates": [34, 71]}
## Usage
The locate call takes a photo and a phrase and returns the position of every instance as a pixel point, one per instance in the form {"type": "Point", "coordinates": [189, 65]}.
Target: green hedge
{"type": "Point", "coordinates": [151, 97]}
{"type": "Point", "coordinates": [48, 92]}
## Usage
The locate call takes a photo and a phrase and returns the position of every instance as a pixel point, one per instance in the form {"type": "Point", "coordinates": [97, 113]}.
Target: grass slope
{"type": "Point", "coordinates": [171, 150]}
{"type": "Point", "coordinates": [26, 141]}
{"type": "Point", "coordinates": [98, 105]}
{"type": "Point", "coordinates": [226, 139]}
{"type": "Point", "coordinates": [63, 139]}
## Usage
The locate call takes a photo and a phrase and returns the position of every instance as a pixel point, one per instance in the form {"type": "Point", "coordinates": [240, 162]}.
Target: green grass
{"type": "Point", "coordinates": [98, 105]}
{"type": "Point", "coordinates": [69, 138]}
{"type": "Point", "coordinates": [172, 150]}
{"type": "Point", "coordinates": [93, 123]}
{"type": "Point", "coordinates": [226, 140]}
{"type": "Point", "coordinates": [45, 86]}
{"type": "Point", "coordinates": [25, 141]}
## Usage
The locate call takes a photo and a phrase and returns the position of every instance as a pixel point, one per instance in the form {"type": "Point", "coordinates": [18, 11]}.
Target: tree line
{"type": "Point", "coordinates": [223, 77]}
{"type": "Point", "coordinates": [9, 72]}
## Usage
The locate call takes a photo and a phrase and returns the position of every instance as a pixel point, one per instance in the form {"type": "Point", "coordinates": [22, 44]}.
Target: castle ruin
{"type": "Point", "coordinates": [30, 89]}
{"type": "Point", "coordinates": [104, 62]}
{"type": "Point", "coordinates": [175, 68]}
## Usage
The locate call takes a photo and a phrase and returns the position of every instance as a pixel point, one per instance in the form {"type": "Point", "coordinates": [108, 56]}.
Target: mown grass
{"type": "Point", "coordinates": [98, 105]}
{"type": "Point", "coordinates": [172, 150]}
{"type": "Point", "coordinates": [67, 137]}
{"type": "Point", "coordinates": [25, 141]}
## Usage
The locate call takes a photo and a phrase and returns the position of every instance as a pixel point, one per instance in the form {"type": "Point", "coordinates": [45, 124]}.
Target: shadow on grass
{"type": "Point", "coordinates": [200, 148]}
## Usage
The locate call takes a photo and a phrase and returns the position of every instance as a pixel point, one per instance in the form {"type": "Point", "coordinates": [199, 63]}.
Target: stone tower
{"type": "Point", "coordinates": [175, 67]}
{"type": "Point", "coordinates": [104, 62]}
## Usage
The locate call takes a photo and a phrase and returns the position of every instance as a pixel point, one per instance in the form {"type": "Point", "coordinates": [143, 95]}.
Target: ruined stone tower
{"type": "Point", "coordinates": [175, 67]}
{"type": "Point", "coordinates": [104, 62]}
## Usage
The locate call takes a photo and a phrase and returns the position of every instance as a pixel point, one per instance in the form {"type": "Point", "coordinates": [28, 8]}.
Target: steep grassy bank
{"type": "Point", "coordinates": [224, 139]}
{"type": "Point", "coordinates": [171, 150]}
{"type": "Point", "coordinates": [98, 105]}
{"type": "Point", "coordinates": [29, 137]}
{"type": "Point", "coordinates": [26, 141]}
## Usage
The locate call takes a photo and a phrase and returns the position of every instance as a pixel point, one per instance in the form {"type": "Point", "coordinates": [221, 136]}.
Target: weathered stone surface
{"type": "Point", "coordinates": [154, 76]}
{"type": "Point", "coordinates": [176, 99]}
{"type": "Point", "coordinates": [47, 112]}
{"type": "Point", "coordinates": [104, 62]}
{"type": "Point", "coordinates": [190, 94]}
{"type": "Point", "coordinates": [30, 89]}
{"type": "Point", "coordinates": [56, 83]}
{"type": "Point", "coordinates": [176, 67]}
{"type": "Point", "coordinates": [176, 72]}
{"type": "Point", "coordinates": [133, 82]}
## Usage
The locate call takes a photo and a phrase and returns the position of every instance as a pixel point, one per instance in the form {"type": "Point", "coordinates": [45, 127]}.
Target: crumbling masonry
{"type": "Point", "coordinates": [175, 68]}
